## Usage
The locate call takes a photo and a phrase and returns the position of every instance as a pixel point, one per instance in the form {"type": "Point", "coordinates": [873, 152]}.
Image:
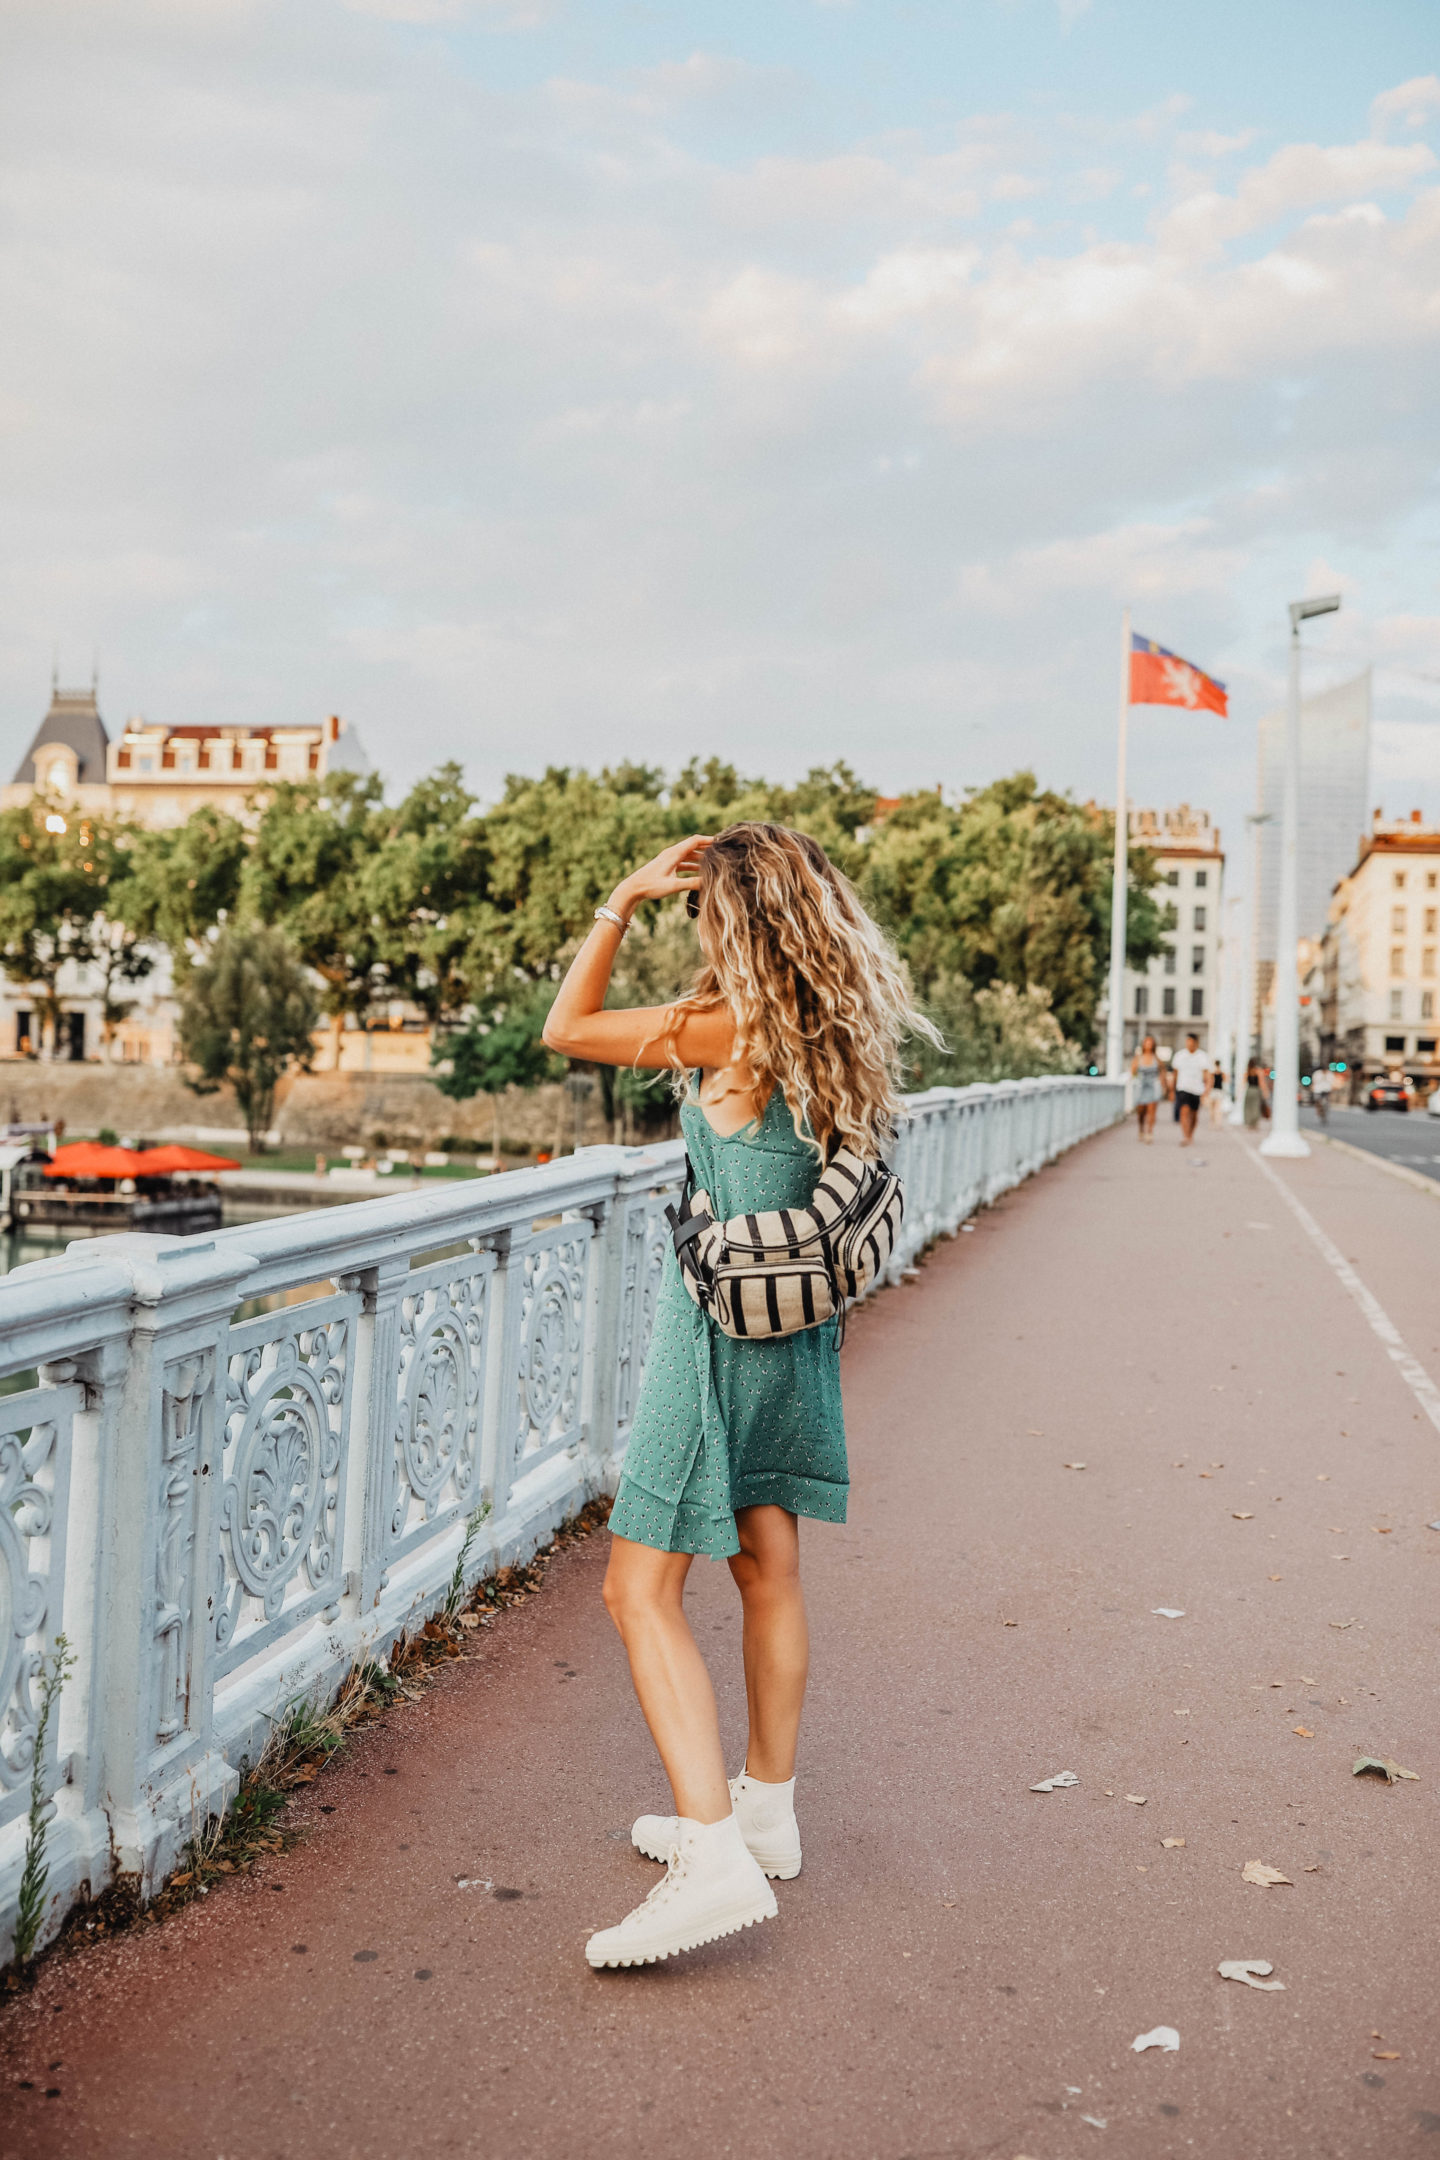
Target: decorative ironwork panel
{"type": "Point", "coordinates": [647, 1240]}
{"type": "Point", "coordinates": [185, 1389]}
{"type": "Point", "coordinates": [287, 1429]}
{"type": "Point", "coordinates": [440, 1397]}
{"type": "Point", "coordinates": [549, 1274]}
{"type": "Point", "coordinates": [34, 1475]}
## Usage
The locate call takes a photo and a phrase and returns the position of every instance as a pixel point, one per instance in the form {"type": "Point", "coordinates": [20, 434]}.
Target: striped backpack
{"type": "Point", "coordinates": [763, 1275]}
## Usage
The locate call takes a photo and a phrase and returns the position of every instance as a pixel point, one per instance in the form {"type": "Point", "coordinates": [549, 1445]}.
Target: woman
{"type": "Point", "coordinates": [1256, 1099]}
{"type": "Point", "coordinates": [1149, 1078]}
{"type": "Point", "coordinates": [792, 1032]}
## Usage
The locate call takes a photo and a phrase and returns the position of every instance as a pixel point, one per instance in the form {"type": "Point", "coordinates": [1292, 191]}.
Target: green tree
{"type": "Point", "coordinates": [499, 1048]}
{"type": "Point", "coordinates": [181, 881]}
{"type": "Point", "coordinates": [997, 1034]}
{"type": "Point", "coordinates": [1010, 885]}
{"type": "Point", "coordinates": [247, 1013]}
{"type": "Point", "coordinates": [306, 872]}
{"type": "Point", "coordinates": [60, 873]}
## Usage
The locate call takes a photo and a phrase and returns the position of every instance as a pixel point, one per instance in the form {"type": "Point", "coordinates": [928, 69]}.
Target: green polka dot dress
{"type": "Point", "coordinates": [723, 1424]}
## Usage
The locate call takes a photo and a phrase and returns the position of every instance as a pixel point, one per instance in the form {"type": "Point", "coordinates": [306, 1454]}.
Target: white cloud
{"type": "Point", "coordinates": [1412, 104]}
{"type": "Point", "coordinates": [519, 427]}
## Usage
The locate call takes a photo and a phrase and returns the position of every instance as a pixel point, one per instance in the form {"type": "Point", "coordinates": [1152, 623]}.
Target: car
{"type": "Point", "coordinates": [1432, 1103]}
{"type": "Point", "coordinates": [1391, 1093]}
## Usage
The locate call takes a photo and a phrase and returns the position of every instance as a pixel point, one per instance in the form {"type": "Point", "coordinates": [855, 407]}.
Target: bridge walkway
{"type": "Point", "coordinates": [964, 1963]}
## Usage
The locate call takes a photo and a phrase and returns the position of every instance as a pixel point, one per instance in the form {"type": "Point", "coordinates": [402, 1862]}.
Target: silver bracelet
{"type": "Point", "coordinates": [608, 914]}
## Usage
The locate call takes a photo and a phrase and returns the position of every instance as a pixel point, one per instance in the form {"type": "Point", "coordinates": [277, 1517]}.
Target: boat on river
{"type": "Point", "coordinates": [90, 1188]}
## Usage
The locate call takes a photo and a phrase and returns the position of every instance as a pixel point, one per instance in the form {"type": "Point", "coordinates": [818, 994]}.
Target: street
{"type": "Point", "coordinates": [1410, 1137]}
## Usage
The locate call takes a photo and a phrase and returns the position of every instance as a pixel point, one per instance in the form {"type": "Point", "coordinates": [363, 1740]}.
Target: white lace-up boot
{"type": "Point", "coordinates": [765, 1813]}
{"type": "Point", "coordinates": [712, 1887]}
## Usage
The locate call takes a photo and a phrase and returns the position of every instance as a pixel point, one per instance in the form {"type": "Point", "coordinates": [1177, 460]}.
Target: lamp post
{"type": "Point", "coordinates": [1285, 1110]}
{"type": "Point", "coordinates": [1115, 1023]}
{"type": "Point", "coordinates": [1244, 1035]}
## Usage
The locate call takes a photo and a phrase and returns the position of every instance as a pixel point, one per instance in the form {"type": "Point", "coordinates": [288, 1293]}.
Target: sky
{"type": "Point", "coordinates": [537, 381]}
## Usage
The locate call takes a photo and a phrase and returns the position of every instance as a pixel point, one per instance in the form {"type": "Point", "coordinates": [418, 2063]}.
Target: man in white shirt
{"type": "Point", "coordinates": [1321, 1082]}
{"type": "Point", "coordinates": [1191, 1068]}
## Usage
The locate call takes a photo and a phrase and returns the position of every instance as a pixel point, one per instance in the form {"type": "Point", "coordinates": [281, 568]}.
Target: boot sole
{"type": "Point", "coordinates": [779, 1870]}
{"type": "Point", "coordinates": [732, 1926]}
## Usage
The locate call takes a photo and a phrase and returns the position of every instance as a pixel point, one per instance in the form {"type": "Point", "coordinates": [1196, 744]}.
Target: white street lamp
{"type": "Point", "coordinates": [1244, 1018]}
{"type": "Point", "coordinates": [1285, 1110]}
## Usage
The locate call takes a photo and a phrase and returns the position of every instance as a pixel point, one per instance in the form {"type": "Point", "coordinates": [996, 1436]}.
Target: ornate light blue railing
{"type": "Point", "coordinates": [249, 1458]}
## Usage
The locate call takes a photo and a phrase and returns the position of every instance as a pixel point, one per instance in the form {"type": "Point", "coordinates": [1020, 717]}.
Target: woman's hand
{"type": "Point", "coordinates": [673, 870]}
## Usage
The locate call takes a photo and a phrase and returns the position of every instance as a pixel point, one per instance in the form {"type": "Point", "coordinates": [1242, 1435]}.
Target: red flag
{"type": "Point", "coordinates": [1158, 677]}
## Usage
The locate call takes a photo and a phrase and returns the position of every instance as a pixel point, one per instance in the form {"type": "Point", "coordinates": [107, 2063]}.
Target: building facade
{"type": "Point", "coordinates": [1179, 991]}
{"type": "Point", "coordinates": [1334, 801]}
{"type": "Point", "coordinates": [1380, 970]}
{"type": "Point", "coordinates": [155, 776]}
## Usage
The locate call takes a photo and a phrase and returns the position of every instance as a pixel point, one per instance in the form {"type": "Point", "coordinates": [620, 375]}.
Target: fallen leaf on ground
{"type": "Point", "coordinates": [1096, 2122]}
{"type": "Point", "coordinates": [1053, 1784]}
{"type": "Point", "coordinates": [1277, 1578]}
{"type": "Point", "coordinates": [1257, 1872]}
{"type": "Point", "coordinates": [1035, 1432]}
{"type": "Point", "coordinates": [1171, 1844]}
{"type": "Point", "coordinates": [1136, 1799]}
{"type": "Point", "coordinates": [1243, 1514]}
{"type": "Point", "coordinates": [1074, 1466]}
{"type": "Point", "coordinates": [1388, 1770]}
{"type": "Point", "coordinates": [469, 1620]}
{"type": "Point", "coordinates": [1009, 1623]}
{"type": "Point", "coordinates": [1385, 2055]}
{"type": "Point", "coordinates": [1308, 1680]}
{"type": "Point", "coordinates": [1180, 1713]}
{"type": "Point", "coordinates": [1168, 1612]}
{"type": "Point", "coordinates": [1322, 1477]}
{"type": "Point", "coordinates": [1164, 2037]}
{"type": "Point", "coordinates": [1247, 1969]}
{"type": "Point", "coordinates": [1303, 1731]}
{"type": "Point", "coordinates": [1381, 1529]}
{"type": "Point", "coordinates": [1342, 1624]}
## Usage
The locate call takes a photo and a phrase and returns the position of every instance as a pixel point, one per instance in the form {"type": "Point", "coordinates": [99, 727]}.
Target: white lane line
{"type": "Point", "coordinates": [1411, 1371]}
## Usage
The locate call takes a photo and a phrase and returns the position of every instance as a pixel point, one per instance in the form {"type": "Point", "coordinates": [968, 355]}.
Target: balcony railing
{"type": "Point", "coordinates": [236, 1464]}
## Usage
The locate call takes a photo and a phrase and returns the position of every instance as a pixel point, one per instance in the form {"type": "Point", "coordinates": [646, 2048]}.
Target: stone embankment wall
{"type": "Point", "coordinates": [319, 1110]}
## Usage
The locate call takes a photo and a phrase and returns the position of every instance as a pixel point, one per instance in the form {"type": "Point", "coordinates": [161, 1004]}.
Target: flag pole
{"type": "Point", "coordinates": [1115, 1030]}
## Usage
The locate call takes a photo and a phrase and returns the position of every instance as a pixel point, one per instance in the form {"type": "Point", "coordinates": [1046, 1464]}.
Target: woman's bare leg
{"type": "Point", "coordinates": [644, 1595]}
{"type": "Point", "coordinates": [777, 1640]}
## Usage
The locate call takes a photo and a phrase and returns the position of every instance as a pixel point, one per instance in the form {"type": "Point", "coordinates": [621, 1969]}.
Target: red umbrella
{"type": "Point", "coordinates": [87, 1158]}
{"type": "Point", "coordinates": [167, 1161]}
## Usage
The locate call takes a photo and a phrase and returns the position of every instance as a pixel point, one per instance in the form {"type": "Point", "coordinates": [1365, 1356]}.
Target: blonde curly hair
{"type": "Point", "coordinates": [820, 1002]}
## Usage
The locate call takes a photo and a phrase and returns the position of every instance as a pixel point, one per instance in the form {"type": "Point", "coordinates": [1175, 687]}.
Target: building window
{"type": "Point", "coordinates": [1395, 1012]}
{"type": "Point", "coordinates": [1172, 877]}
{"type": "Point", "coordinates": [1399, 881]}
{"type": "Point", "coordinates": [1397, 921]}
{"type": "Point", "coordinates": [1142, 1001]}
{"type": "Point", "coordinates": [1430, 881]}
{"type": "Point", "coordinates": [1197, 959]}
{"type": "Point", "coordinates": [144, 764]}
{"type": "Point", "coordinates": [1397, 960]}
{"type": "Point", "coordinates": [1427, 1005]}
{"type": "Point", "coordinates": [1430, 914]}
{"type": "Point", "coordinates": [1202, 879]}
{"type": "Point", "coordinates": [1395, 1042]}
{"type": "Point", "coordinates": [1425, 1046]}
{"type": "Point", "coordinates": [1199, 918]}
{"type": "Point", "coordinates": [1169, 959]}
{"type": "Point", "coordinates": [1197, 1004]}
{"type": "Point", "coordinates": [1168, 1004]}
{"type": "Point", "coordinates": [1427, 961]}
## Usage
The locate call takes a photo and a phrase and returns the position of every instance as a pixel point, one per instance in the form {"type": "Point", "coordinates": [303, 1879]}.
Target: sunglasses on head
{"type": "Point", "coordinates": [692, 902]}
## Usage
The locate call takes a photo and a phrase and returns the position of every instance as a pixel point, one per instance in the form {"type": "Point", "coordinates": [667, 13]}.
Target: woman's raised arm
{"type": "Point", "coordinates": [578, 1025]}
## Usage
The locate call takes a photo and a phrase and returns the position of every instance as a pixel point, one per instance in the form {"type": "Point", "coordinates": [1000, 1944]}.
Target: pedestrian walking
{"type": "Point", "coordinates": [1256, 1105]}
{"type": "Point", "coordinates": [790, 1038]}
{"type": "Point", "coordinates": [1217, 1098]}
{"type": "Point", "coordinates": [1149, 1078]}
{"type": "Point", "coordinates": [1191, 1073]}
{"type": "Point", "coordinates": [1322, 1080]}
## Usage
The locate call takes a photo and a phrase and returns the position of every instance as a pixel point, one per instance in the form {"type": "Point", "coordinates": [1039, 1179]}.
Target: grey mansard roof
{"type": "Point", "coordinates": [73, 719]}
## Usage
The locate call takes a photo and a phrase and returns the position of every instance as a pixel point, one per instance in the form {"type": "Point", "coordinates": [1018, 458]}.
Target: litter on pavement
{"type": "Point", "coordinates": [1247, 1970]}
{"type": "Point", "coordinates": [1053, 1784]}
{"type": "Point", "coordinates": [1168, 1612]}
{"type": "Point", "coordinates": [1164, 2037]}
{"type": "Point", "coordinates": [1388, 1770]}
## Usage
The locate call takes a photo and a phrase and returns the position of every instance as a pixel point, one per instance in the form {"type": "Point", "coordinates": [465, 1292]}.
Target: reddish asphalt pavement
{"type": "Point", "coordinates": [963, 1964]}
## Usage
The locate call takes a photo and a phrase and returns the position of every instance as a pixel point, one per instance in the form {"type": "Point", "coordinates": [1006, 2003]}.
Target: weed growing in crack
{"type": "Point", "coordinates": [30, 1906]}
{"type": "Point", "coordinates": [455, 1595]}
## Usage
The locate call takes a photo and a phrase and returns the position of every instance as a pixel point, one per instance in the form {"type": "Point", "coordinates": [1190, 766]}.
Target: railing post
{"type": "Point", "coordinates": [163, 1774]}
